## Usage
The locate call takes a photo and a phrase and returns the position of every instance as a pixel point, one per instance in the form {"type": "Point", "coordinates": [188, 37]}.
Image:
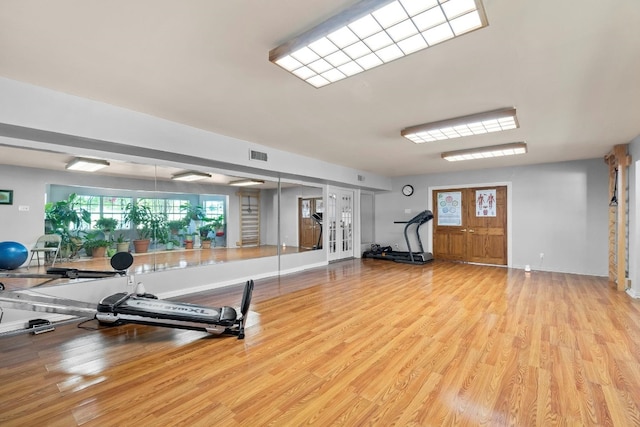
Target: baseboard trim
{"type": "Point", "coordinates": [633, 293]}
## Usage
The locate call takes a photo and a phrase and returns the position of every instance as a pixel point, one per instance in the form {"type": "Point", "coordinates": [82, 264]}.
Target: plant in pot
{"type": "Point", "coordinates": [205, 235]}
{"type": "Point", "coordinates": [107, 225]}
{"type": "Point", "coordinates": [188, 241]}
{"type": "Point", "coordinates": [122, 243]}
{"type": "Point", "coordinates": [195, 213]}
{"type": "Point", "coordinates": [96, 247]}
{"type": "Point", "coordinates": [159, 228]}
{"type": "Point", "coordinates": [67, 219]}
{"type": "Point", "coordinates": [176, 226]}
{"type": "Point", "coordinates": [218, 225]}
{"type": "Point", "coordinates": [139, 216]}
{"type": "Point", "coordinates": [172, 243]}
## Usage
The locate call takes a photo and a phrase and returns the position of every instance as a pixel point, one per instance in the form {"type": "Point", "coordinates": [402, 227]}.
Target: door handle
{"type": "Point", "coordinates": [472, 231]}
{"type": "Point", "coordinates": [464, 229]}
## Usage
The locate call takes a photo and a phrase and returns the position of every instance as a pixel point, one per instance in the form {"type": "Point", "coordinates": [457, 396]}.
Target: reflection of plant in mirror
{"type": "Point", "coordinates": [195, 213]}
{"type": "Point", "coordinates": [94, 239]}
{"type": "Point", "coordinates": [139, 216]}
{"type": "Point", "coordinates": [176, 226]}
{"type": "Point", "coordinates": [106, 224]}
{"type": "Point", "coordinates": [158, 229]}
{"type": "Point", "coordinates": [218, 222]}
{"type": "Point", "coordinates": [66, 218]}
{"type": "Point", "coordinates": [96, 243]}
{"type": "Point", "coordinates": [205, 230]}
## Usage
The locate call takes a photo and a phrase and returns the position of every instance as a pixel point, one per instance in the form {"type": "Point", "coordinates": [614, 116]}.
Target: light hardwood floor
{"type": "Point", "coordinates": [362, 342]}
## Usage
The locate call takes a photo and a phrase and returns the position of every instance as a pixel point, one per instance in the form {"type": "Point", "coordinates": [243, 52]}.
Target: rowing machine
{"type": "Point", "coordinates": [145, 309]}
{"type": "Point", "coordinates": [139, 307]}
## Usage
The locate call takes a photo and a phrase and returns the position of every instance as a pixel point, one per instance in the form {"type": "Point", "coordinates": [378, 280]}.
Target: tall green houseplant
{"type": "Point", "coordinates": [67, 219]}
{"type": "Point", "coordinates": [139, 217]}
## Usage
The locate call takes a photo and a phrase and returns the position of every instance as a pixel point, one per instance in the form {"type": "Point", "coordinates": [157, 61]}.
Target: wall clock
{"type": "Point", "coordinates": [407, 190]}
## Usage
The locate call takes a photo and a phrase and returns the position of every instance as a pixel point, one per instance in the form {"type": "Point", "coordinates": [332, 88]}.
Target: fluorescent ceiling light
{"type": "Point", "coordinates": [372, 33]}
{"type": "Point", "coordinates": [486, 152]}
{"type": "Point", "coordinates": [475, 124]}
{"type": "Point", "coordinates": [246, 182]}
{"type": "Point", "coordinates": [190, 176]}
{"type": "Point", "coordinates": [86, 165]}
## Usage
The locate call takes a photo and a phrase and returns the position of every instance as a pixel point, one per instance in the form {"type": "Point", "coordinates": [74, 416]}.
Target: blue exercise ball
{"type": "Point", "coordinates": [12, 255]}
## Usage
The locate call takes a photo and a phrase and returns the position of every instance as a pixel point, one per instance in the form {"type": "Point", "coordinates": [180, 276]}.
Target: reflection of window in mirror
{"type": "Point", "coordinates": [306, 208]}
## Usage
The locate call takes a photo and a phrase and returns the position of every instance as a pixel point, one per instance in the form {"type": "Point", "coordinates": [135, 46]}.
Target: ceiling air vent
{"type": "Point", "coordinates": [257, 155]}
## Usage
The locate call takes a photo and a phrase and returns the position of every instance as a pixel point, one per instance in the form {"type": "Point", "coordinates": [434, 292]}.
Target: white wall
{"type": "Point", "coordinates": [559, 209]}
{"type": "Point", "coordinates": [99, 126]}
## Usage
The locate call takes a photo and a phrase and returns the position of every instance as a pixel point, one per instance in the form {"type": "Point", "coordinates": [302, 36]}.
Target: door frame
{"type": "Point", "coordinates": [507, 184]}
{"type": "Point", "coordinates": [355, 223]}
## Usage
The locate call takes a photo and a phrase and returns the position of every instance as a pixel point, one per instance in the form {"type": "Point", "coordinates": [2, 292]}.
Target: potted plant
{"type": "Point", "coordinates": [188, 241]}
{"type": "Point", "coordinates": [139, 216]}
{"type": "Point", "coordinates": [206, 242]}
{"type": "Point", "coordinates": [172, 243]}
{"type": "Point", "coordinates": [195, 213]}
{"type": "Point", "coordinates": [122, 243]}
{"type": "Point", "coordinates": [218, 224]}
{"type": "Point", "coordinates": [106, 225]}
{"type": "Point", "coordinates": [96, 247]}
{"type": "Point", "coordinates": [205, 230]}
{"type": "Point", "coordinates": [159, 231]}
{"type": "Point", "coordinates": [67, 219]}
{"type": "Point", "coordinates": [176, 226]}
{"type": "Point", "coordinates": [205, 235]}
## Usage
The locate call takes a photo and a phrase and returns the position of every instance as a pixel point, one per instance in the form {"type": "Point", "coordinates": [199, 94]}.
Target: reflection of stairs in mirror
{"type": "Point", "coordinates": [249, 218]}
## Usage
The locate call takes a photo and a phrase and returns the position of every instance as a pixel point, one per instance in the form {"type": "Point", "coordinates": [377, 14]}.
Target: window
{"type": "Point", "coordinates": [214, 208]}
{"type": "Point", "coordinates": [113, 207]}
{"type": "Point", "coordinates": [91, 204]}
{"type": "Point", "coordinates": [104, 207]}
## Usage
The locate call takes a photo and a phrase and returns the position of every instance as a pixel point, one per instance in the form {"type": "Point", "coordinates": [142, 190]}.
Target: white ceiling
{"type": "Point", "coordinates": [571, 68]}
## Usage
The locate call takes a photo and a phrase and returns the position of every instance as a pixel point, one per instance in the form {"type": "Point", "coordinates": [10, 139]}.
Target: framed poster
{"type": "Point", "coordinates": [450, 208]}
{"type": "Point", "coordinates": [485, 203]}
{"type": "Point", "coordinates": [6, 197]}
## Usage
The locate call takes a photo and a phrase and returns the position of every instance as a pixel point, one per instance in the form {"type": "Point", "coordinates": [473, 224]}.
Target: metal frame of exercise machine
{"type": "Point", "coordinates": [137, 307]}
{"type": "Point", "coordinates": [408, 257]}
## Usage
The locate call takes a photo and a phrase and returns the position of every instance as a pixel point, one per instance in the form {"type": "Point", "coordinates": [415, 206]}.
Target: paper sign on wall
{"type": "Point", "coordinates": [485, 203]}
{"type": "Point", "coordinates": [450, 208]}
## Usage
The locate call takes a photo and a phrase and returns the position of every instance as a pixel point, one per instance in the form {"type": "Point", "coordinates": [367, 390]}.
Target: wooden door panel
{"type": "Point", "coordinates": [480, 238]}
{"type": "Point", "coordinates": [309, 229]}
{"type": "Point", "coordinates": [449, 246]}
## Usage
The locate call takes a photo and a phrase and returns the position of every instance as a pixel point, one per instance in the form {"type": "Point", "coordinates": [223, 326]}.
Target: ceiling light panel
{"type": "Point", "coordinates": [86, 164]}
{"type": "Point", "coordinates": [374, 32]}
{"type": "Point", "coordinates": [475, 124]}
{"type": "Point", "coordinates": [511, 149]}
{"type": "Point", "coordinates": [190, 176]}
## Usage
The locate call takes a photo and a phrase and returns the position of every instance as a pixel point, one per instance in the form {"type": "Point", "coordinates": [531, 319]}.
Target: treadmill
{"type": "Point", "coordinates": [408, 257]}
{"type": "Point", "coordinates": [317, 217]}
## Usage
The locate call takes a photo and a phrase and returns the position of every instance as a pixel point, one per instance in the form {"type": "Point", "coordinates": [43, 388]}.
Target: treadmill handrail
{"type": "Point", "coordinates": [422, 218]}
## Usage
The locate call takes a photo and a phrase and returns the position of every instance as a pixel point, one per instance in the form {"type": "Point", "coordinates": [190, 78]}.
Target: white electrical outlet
{"type": "Point", "coordinates": [541, 255]}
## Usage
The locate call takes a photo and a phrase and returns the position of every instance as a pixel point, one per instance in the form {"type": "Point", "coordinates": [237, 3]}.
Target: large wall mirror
{"type": "Point", "coordinates": [188, 217]}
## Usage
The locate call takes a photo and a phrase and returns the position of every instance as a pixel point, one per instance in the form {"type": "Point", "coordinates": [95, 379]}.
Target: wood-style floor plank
{"type": "Point", "coordinates": [360, 342]}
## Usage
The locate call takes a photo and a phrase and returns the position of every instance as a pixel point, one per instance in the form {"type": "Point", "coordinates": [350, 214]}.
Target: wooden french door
{"type": "Point", "coordinates": [470, 225]}
{"type": "Point", "coordinates": [309, 229]}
